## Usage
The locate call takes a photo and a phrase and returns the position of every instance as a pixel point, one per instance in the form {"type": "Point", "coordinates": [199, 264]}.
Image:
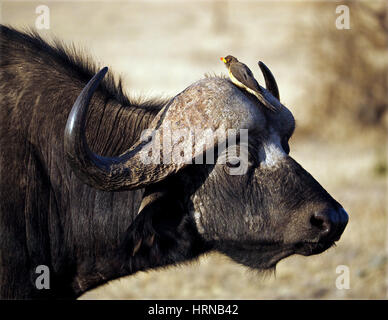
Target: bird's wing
{"type": "Point", "coordinates": [244, 75]}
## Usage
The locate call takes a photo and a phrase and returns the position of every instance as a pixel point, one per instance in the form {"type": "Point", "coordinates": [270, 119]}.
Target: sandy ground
{"type": "Point", "coordinates": [159, 48]}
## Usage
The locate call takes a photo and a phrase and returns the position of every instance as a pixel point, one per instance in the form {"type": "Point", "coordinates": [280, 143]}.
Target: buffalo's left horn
{"type": "Point", "coordinates": [270, 81]}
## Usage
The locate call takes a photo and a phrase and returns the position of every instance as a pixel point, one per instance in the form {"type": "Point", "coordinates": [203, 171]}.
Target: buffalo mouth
{"type": "Point", "coordinates": [312, 248]}
{"type": "Point", "coordinates": [266, 256]}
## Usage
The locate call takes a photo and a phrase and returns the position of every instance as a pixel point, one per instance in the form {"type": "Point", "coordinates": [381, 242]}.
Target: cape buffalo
{"type": "Point", "coordinates": [77, 197]}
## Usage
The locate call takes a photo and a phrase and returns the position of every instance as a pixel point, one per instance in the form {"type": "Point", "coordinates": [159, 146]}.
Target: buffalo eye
{"type": "Point", "coordinates": [233, 163]}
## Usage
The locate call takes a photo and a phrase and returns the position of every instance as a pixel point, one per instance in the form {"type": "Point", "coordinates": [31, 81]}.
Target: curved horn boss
{"type": "Point", "coordinates": [224, 110]}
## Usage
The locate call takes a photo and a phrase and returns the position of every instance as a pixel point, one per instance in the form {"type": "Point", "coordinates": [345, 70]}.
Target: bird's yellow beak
{"type": "Point", "coordinates": [223, 59]}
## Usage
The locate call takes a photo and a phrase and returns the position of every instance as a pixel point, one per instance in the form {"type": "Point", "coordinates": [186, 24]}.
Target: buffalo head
{"type": "Point", "coordinates": [222, 160]}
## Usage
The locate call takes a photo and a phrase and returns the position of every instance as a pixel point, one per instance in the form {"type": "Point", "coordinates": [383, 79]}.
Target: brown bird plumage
{"type": "Point", "coordinates": [243, 77]}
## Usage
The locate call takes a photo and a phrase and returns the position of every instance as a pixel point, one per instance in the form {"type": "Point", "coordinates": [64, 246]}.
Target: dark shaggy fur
{"type": "Point", "coordinates": [75, 64]}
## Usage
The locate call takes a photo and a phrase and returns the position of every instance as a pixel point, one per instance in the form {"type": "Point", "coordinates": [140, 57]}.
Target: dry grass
{"type": "Point", "coordinates": [349, 68]}
{"type": "Point", "coordinates": [160, 48]}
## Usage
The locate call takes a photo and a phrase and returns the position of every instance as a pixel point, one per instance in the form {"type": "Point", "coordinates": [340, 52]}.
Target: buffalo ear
{"type": "Point", "coordinates": [152, 221]}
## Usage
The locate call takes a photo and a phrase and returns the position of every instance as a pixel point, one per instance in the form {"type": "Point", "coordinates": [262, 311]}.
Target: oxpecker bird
{"type": "Point", "coordinates": [243, 77]}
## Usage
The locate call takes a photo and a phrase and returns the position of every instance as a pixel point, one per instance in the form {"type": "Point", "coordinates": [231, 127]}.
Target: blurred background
{"type": "Point", "coordinates": [333, 80]}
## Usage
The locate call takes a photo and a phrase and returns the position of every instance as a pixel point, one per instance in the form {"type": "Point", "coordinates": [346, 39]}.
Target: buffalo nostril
{"type": "Point", "coordinates": [321, 221]}
{"type": "Point", "coordinates": [330, 223]}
